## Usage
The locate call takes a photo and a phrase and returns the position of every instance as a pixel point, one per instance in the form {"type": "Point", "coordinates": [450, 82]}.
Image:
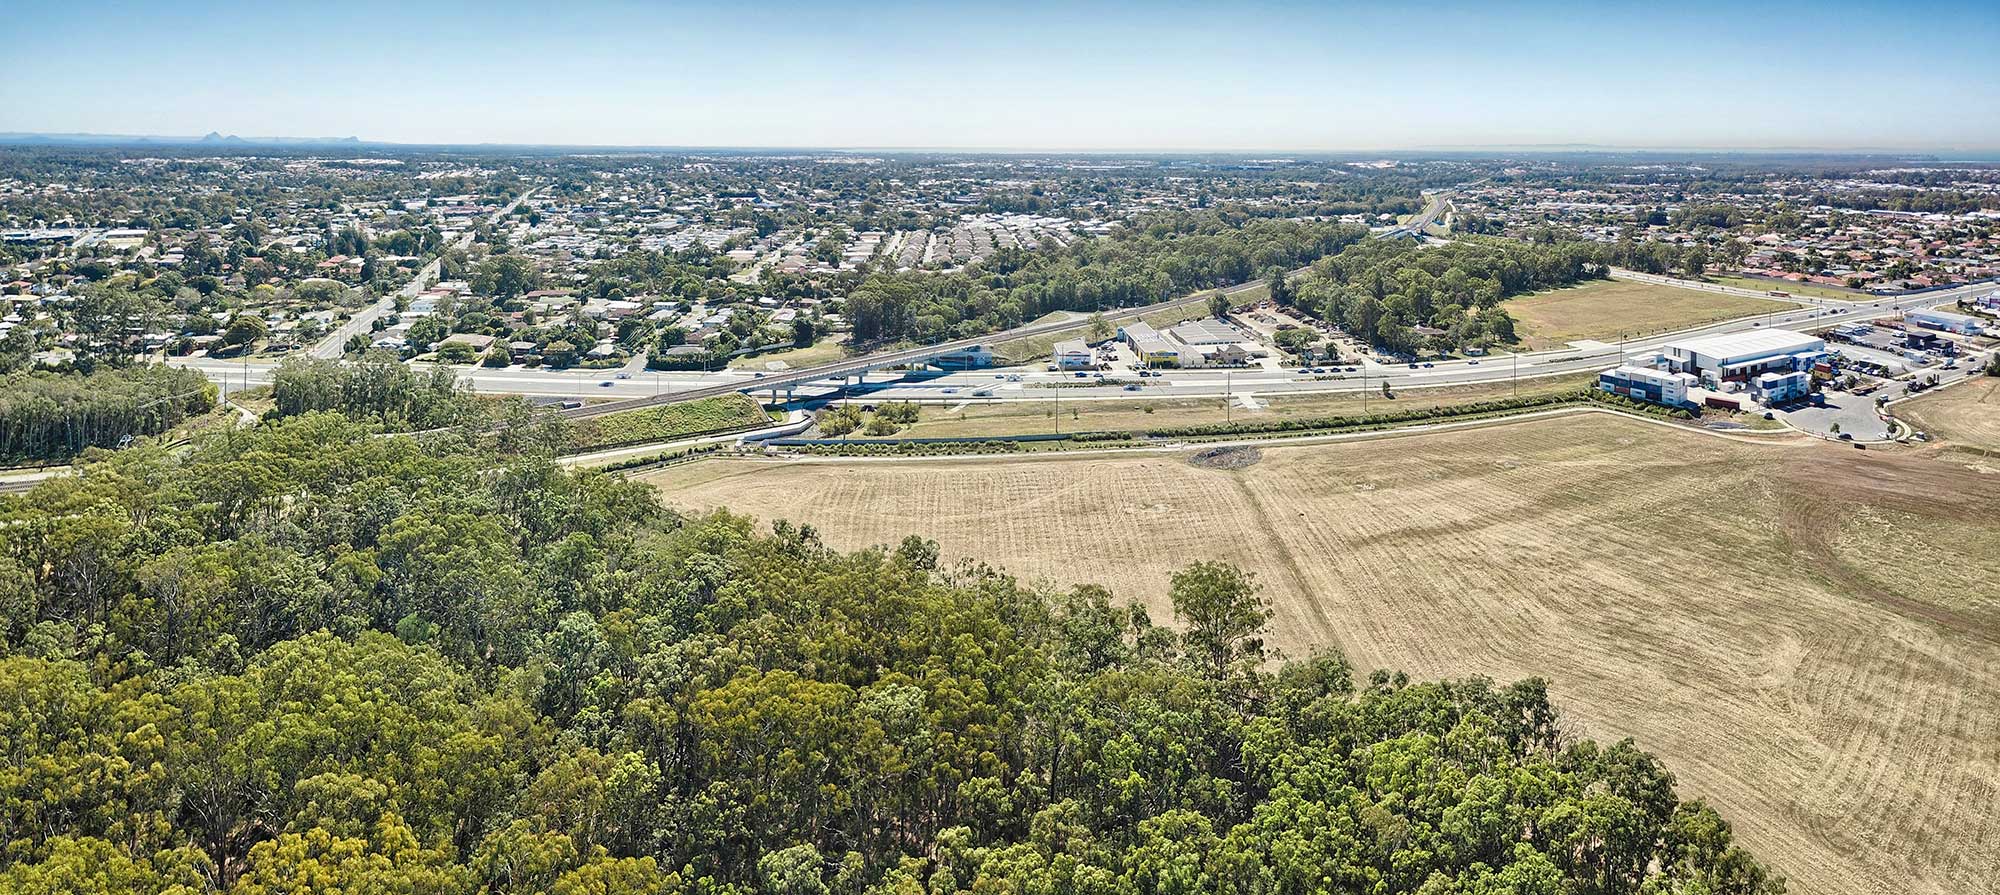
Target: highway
{"type": "Point", "coordinates": [645, 389]}
{"type": "Point", "coordinates": [363, 321]}
{"type": "Point", "coordinates": [1435, 204]}
{"type": "Point", "coordinates": [861, 365]}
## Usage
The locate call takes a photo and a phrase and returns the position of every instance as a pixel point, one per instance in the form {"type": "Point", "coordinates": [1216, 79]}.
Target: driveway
{"type": "Point", "coordinates": [1855, 414]}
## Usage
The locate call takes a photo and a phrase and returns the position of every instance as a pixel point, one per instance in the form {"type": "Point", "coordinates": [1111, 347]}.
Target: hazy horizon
{"type": "Point", "coordinates": [1267, 77]}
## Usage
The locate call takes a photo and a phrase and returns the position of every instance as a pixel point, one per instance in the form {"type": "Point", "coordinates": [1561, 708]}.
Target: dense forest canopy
{"type": "Point", "coordinates": [307, 658]}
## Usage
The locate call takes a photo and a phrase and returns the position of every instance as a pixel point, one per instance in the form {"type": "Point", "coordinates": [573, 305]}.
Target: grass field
{"type": "Point", "coordinates": [1606, 309]}
{"type": "Point", "coordinates": [667, 423]}
{"type": "Point", "coordinates": [1808, 635]}
{"type": "Point", "coordinates": [1025, 417]}
{"type": "Point", "coordinates": [825, 351]}
{"type": "Point", "coordinates": [1813, 289]}
{"type": "Point", "coordinates": [1040, 347]}
{"type": "Point", "coordinates": [1966, 415]}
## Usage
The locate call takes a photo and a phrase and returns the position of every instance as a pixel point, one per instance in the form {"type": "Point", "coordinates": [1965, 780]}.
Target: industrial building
{"type": "Point", "coordinates": [1648, 384]}
{"type": "Point", "coordinates": [1740, 357]}
{"type": "Point", "coordinates": [1945, 321]}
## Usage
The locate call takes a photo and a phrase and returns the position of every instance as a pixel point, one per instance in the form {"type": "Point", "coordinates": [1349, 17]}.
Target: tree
{"type": "Point", "coordinates": [505, 276]}
{"type": "Point", "coordinates": [457, 353]}
{"type": "Point", "coordinates": [244, 329]}
{"type": "Point", "coordinates": [1282, 293]}
{"type": "Point", "coordinates": [1218, 306]}
{"type": "Point", "coordinates": [1100, 330]}
{"type": "Point", "coordinates": [1223, 615]}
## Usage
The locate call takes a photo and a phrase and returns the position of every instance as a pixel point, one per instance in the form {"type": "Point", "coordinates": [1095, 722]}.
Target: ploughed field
{"type": "Point", "coordinates": [1809, 635]}
{"type": "Point", "coordinates": [1609, 309]}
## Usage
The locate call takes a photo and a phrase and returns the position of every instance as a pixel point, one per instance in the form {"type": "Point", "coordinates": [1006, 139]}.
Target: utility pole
{"type": "Point", "coordinates": [1517, 374]}
{"type": "Point", "coordinates": [1364, 386]}
{"type": "Point", "coordinates": [1058, 413]}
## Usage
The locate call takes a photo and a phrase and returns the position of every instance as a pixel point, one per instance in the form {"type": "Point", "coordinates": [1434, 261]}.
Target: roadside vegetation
{"type": "Point", "coordinates": [708, 416]}
{"type": "Point", "coordinates": [48, 416]}
{"type": "Point", "coordinates": [446, 670]}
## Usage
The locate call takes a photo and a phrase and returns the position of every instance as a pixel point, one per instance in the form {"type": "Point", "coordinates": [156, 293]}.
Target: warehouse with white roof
{"type": "Point", "coordinates": [1742, 356]}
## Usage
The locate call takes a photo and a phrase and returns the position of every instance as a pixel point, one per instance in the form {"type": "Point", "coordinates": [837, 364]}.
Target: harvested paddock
{"type": "Point", "coordinates": [1963, 415]}
{"type": "Point", "coordinates": [1808, 636]}
{"type": "Point", "coordinates": [1609, 309]}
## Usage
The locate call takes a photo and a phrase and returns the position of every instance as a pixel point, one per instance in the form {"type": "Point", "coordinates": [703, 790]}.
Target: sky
{"type": "Point", "coordinates": [1022, 75]}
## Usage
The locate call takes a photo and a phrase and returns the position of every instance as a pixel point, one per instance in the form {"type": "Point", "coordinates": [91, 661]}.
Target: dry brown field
{"type": "Point", "coordinates": [1965, 415]}
{"type": "Point", "coordinates": [1808, 635]}
{"type": "Point", "coordinates": [1610, 309]}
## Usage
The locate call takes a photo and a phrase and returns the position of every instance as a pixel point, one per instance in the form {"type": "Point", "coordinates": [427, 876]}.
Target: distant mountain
{"type": "Point", "coordinates": [212, 138]}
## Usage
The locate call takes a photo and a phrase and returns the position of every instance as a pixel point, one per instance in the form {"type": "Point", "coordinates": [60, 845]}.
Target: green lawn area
{"type": "Point", "coordinates": [675, 421]}
{"type": "Point", "coordinates": [1040, 347]}
{"type": "Point", "coordinates": [1608, 310]}
{"type": "Point", "coordinates": [824, 351]}
{"type": "Point", "coordinates": [1029, 417]}
{"type": "Point", "coordinates": [1812, 289]}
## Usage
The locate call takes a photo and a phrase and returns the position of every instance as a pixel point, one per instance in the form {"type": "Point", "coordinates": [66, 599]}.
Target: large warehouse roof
{"type": "Point", "coordinates": [1755, 343]}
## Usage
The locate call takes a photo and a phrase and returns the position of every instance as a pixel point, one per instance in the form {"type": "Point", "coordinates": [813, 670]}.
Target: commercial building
{"type": "Point", "coordinates": [1152, 349]}
{"type": "Point", "coordinates": [1206, 331]}
{"type": "Point", "coordinates": [1648, 384]}
{"type": "Point", "coordinates": [1740, 357]}
{"type": "Point", "coordinates": [1946, 321]}
{"type": "Point", "coordinates": [1074, 354]}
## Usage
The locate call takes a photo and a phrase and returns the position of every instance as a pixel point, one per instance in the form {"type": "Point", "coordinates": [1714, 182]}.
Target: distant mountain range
{"type": "Point", "coordinates": [211, 138]}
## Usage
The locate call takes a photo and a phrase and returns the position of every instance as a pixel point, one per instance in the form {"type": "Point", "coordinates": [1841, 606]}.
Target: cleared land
{"type": "Point", "coordinates": [1966, 415]}
{"type": "Point", "coordinates": [1809, 635]}
{"type": "Point", "coordinates": [1609, 309]}
{"type": "Point", "coordinates": [1131, 415]}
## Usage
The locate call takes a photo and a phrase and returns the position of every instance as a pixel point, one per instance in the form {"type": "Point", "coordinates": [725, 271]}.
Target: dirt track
{"type": "Point", "coordinates": [1809, 636]}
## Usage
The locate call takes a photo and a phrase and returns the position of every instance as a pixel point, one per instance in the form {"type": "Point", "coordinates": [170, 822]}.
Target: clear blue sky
{"type": "Point", "coordinates": [1026, 74]}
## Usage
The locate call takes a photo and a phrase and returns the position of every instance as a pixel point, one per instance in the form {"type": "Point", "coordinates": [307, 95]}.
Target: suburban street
{"type": "Point", "coordinates": [363, 321]}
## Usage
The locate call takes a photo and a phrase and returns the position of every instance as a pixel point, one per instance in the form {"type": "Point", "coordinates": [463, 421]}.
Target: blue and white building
{"type": "Point", "coordinates": [1777, 388]}
{"type": "Point", "coordinates": [1649, 384]}
{"type": "Point", "coordinates": [1945, 321]}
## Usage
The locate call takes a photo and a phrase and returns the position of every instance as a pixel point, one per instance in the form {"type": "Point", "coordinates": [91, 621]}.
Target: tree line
{"type": "Point", "coordinates": [49, 415]}
{"type": "Point", "coordinates": [1404, 297]}
{"type": "Point", "coordinates": [1152, 261]}
{"type": "Point", "coordinates": [303, 657]}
